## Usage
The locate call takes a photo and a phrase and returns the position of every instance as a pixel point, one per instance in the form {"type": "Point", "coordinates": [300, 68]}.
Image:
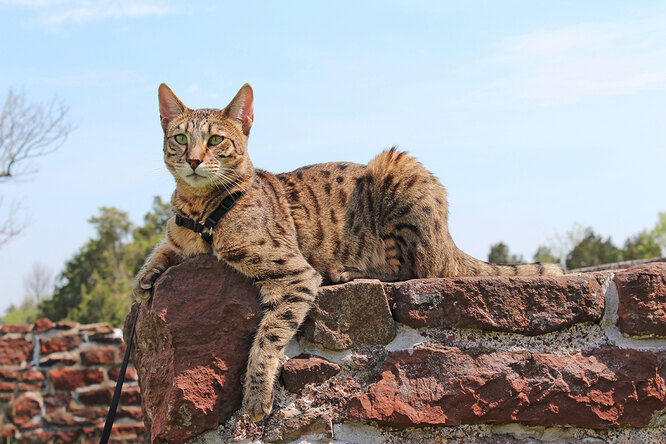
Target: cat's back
{"type": "Point", "coordinates": [318, 196]}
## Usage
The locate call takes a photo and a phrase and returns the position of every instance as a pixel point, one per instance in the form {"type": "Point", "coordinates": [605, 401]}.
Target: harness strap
{"type": "Point", "coordinates": [212, 220]}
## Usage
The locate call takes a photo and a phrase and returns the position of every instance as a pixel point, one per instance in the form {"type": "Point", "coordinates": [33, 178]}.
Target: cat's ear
{"type": "Point", "coordinates": [170, 105]}
{"type": "Point", "coordinates": [241, 108]}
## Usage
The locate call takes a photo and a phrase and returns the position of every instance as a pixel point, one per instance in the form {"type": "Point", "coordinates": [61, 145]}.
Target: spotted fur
{"type": "Point", "coordinates": [332, 221]}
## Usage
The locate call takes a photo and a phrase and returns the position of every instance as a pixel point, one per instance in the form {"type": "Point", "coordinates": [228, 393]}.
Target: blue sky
{"type": "Point", "coordinates": [535, 115]}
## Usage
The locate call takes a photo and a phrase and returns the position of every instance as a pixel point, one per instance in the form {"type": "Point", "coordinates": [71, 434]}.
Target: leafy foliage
{"type": "Point", "coordinates": [593, 250]}
{"type": "Point", "coordinates": [95, 285]}
{"type": "Point", "coordinates": [499, 254]}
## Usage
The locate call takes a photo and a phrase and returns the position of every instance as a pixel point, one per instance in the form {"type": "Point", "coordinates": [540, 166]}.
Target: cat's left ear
{"type": "Point", "coordinates": [241, 108]}
{"type": "Point", "coordinates": [170, 105]}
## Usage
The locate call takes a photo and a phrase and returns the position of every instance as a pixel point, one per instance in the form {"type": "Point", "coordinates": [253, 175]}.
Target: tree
{"type": "Point", "coordinates": [96, 283]}
{"type": "Point", "coordinates": [499, 254]}
{"type": "Point", "coordinates": [642, 245]}
{"type": "Point", "coordinates": [545, 254]}
{"type": "Point", "coordinates": [38, 285]}
{"type": "Point", "coordinates": [27, 131]}
{"type": "Point", "coordinates": [593, 250]}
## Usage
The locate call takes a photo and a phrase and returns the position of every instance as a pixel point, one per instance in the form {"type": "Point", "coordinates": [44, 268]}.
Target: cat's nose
{"type": "Point", "coordinates": [194, 163]}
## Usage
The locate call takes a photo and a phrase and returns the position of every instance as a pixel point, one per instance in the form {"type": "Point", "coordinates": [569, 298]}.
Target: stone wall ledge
{"type": "Point", "coordinates": [495, 359]}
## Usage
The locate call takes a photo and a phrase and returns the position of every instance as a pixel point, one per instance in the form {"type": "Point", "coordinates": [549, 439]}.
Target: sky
{"type": "Point", "coordinates": [535, 115]}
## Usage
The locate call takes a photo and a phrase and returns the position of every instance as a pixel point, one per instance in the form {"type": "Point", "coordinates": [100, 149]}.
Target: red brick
{"type": "Point", "coordinates": [62, 358]}
{"type": "Point", "coordinates": [96, 396]}
{"type": "Point", "coordinates": [130, 412]}
{"type": "Point", "coordinates": [15, 351]}
{"type": "Point", "coordinates": [642, 300]}
{"type": "Point", "coordinates": [51, 437]}
{"type": "Point", "coordinates": [99, 329]}
{"type": "Point", "coordinates": [8, 374]}
{"type": "Point", "coordinates": [56, 401]}
{"type": "Point", "coordinates": [64, 419]}
{"type": "Point", "coordinates": [93, 413]}
{"type": "Point", "coordinates": [529, 305]}
{"type": "Point", "coordinates": [65, 325]}
{"type": "Point", "coordinates": [42, 326]}
{"type": "Point", "coordinates": [30, 375]}
{"type": "Point", "coordinates": [16, 328]}
{"type": "Point", "coordinates": [130, 396]}
{"type": "Point", "coordinates": [99, 356]}
{"type": "Point", "coordinates": [6, 397]}
{"type": "Point", "coordinates": [60, 343]}
{"type": "Point", "coordinates": [130, 373]}
{"type": "Point", "coordinates": [607, 387]}
{"type": "Point", "coordinates": [69, 379]}
{"type": "Point", "coordinates": [23, 408]}
{"type": "Point", "coordinates": [30, 386]}
{"type": "Point", "coordinates": [306, 369]}
{"type": "Point", "coordinates": [7, 386]}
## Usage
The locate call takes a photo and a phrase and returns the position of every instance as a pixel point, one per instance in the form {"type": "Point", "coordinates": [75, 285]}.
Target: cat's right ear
{"type": "Point", "coordinates": [170, 105]}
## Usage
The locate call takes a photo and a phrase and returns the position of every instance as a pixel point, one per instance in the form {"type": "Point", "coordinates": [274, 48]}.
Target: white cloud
{"type": "Point", "coordinates": [596, 59]}
{"type": "Point", "coordinates": [55, 12]}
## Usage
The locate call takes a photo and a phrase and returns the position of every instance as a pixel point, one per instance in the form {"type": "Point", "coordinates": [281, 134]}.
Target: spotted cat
{"type": "Point", "coordinates": [288, 232]}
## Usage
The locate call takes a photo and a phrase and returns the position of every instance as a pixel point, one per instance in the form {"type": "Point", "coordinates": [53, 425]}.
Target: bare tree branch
{"type": "Point", "coordinates": [38, 285]}
{"type": "Point", "coordinates": [28, 131]}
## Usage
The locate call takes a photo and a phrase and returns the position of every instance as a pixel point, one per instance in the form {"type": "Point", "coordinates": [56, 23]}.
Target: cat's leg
{"type": "Point", "coordinates": [288, 287]}
{"type": "Point", "coordinates": [162, 257]}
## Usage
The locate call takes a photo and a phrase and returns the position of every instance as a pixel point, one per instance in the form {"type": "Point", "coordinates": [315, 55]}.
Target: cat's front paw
{"type": "Point", "coordinates": [258, 404]}
{"type": "Point", "coordinates": [144, 284]}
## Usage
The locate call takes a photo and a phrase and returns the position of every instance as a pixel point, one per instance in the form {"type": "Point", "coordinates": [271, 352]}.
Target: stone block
{"type": "Point", "coordinates": [642, 300]}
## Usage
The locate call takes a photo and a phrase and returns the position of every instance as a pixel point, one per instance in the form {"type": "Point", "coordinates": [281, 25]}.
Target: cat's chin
{"type": "Point", "coordinates": [197, 180]}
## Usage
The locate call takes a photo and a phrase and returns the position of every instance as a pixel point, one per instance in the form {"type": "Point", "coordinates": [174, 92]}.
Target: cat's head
{"type": "Point", "coordinates": [207, 147]}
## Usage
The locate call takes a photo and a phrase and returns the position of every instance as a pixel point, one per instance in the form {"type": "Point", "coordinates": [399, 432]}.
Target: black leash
{"type": "Point", "coordinates": [106, 433]}
{"type": "Point", "coordinates": [212, 220]}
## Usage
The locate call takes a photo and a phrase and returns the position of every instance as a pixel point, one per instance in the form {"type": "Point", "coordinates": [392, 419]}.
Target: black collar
{"type": "Point", "coordinates": [212, 220]}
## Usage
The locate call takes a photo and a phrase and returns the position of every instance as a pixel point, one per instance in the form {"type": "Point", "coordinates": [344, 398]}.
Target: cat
{"type": "Point", "coordinates": [288, 232]}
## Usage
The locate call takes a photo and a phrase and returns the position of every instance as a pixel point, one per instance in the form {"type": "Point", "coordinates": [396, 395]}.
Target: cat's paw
{"type": "Point", "coordinates": [144, 284]}
{"type": "Point", "coordinates": [258, 404]}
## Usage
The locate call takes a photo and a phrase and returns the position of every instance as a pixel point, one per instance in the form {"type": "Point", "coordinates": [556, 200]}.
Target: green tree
{"type": "Point", "coordinates": [545, 254]}
{"type": "Point", "coordinates": [592, 250]}
{"type": "Point", "coordinates": [96, 283]}
{"type": "Point", "coordinates": [642, 245]}
{"type": "Point", "coordinates": [499, 254]}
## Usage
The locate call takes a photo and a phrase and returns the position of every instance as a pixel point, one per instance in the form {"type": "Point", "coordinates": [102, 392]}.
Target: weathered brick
{"type": "Point", "coordinates": [606, 387]}
{"type": "Point", "coordinates": [8, 374]}
{"type": "Point", "coordinates": [60, 343]}
{"type": "Point", "coordinates": [99, 356]}
{"type": "Point", "coordinates": [60, 419]}
{"type": "Point", "coordinates": [42, 326]}
{"type": "Point", "coordinates": [53, 402]}
{"type": "Point", "coordinates": [30, 375]}
{"type": "Point", "coordinates": [307, 369]}
{"type": "Point", "coordinates": [642, 300]}
{"type": "Point", "coordinates": [130, 396]}
{"type": "Point", "coordinates": [529, 305]}
{"type": "Point", "coordinates": [16, 328]}
{"type": "Point", "coordinates": [7, 386]}
{"type": "Point", "coordinates": [350, 315]}
{"type": "Point", "coordinates": [130, 373]}
{"type": "Point", "coordinates": [57, 437]}
{"type": "Point", "coordinates": [59, 358]}
{"type": "Point", "coordinates": [30, 386]}
{"type": "Point", "coordinates": [95, 396]}
{"type": "Point", "coordinates": [69, 378]}
{"type": "Point", "coordinates": [23, 408]}
{"type": "Point", "coordinates": [14, 351]}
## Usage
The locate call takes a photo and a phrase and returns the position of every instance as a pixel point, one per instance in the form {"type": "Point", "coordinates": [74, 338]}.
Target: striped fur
{"type": "Point", "coordinates": [331, 221]}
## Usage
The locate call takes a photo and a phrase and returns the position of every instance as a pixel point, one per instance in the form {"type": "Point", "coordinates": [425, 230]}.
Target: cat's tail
{"type": "Point", "coordinates": [411, 214]}
{"type": "Point", "coordinates": [470, 266]}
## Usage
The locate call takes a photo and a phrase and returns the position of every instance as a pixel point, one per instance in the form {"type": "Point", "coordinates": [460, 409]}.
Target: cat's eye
{"type": "Point", "coordinates": [215, 140]}
{"type": "Point", "coordinates": [181, 138]}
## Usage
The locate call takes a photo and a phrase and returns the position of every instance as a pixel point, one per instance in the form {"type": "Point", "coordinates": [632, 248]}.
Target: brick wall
{"type": "Point", "coordinates": [513, 359]}
{"type": "Point", "coordinates": [57, 380]}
